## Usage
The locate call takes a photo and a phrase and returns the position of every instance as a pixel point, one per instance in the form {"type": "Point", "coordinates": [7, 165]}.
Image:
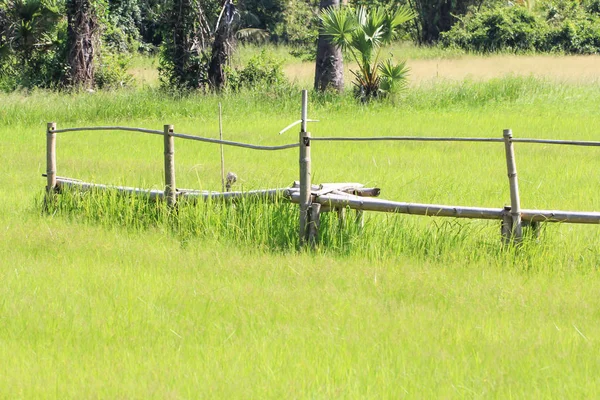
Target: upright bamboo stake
{"type": "Point", "coordinates": [305, 172]}
{"type": "Point", "coordinates": [51, 157]}
{"type": "Point", "coordinates": [222, 153]}
{"type": "Point", "coordinates": [516, 230]}
{"type": "Point", "coordinates": [314, 224]}
{"type": "Point", "coordinates": [170, 186]}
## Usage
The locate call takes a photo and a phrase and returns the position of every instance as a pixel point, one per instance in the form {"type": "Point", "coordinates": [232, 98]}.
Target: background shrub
{"type": "Point", "coordinates": [261, 71]}
{"type": "Point", "coordinates": [559, 26]}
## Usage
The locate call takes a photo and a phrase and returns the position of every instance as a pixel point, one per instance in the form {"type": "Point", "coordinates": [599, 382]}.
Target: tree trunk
{"type": "Point", "coordinates": [82, 32]}
{"type": "Point", "coordinates": [329, 68]}
{"type": "Point", "coordinates": [222, 47]}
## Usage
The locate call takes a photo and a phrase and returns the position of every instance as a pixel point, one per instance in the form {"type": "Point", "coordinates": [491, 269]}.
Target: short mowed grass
{"type": "Point", "coordinates": [110, 297]}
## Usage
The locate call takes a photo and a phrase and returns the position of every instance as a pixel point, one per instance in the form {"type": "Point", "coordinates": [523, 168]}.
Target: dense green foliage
{"type": "Point", "coordinates": [561, 26]}
{"type": "Point", "coordinates": [32, 43]}
{"type": "Point", "coordinates": [33, 33]}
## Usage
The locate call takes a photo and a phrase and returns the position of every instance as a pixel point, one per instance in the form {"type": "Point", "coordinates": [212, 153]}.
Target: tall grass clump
{"type": "Point", "coordinates": [272, 227]}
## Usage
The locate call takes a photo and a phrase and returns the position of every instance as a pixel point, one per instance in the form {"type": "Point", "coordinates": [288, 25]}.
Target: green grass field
{"type": "Point", "coordinates": [107, 301]}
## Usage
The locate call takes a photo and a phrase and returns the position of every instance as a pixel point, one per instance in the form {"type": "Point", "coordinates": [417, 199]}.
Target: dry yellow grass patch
{"type": "Point", "coordinates": [576, 69]}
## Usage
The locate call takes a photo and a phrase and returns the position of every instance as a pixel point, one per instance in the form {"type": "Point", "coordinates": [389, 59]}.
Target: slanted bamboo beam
{"type": "Point", "coordinates": [571, 217]}
{"type": "Point", "coordinates": [151, 194]}
{"type": "Point", "coordinates": [170, 184]}
{"type": "Point", "coordinates": [50, 157]}
{"type": "Point", "coordinates": [305, 173]}
{"type": "Point", "coordinates": [516, 229]}
{"type": "Point", "coordinates": [266, 194]}
{"type": "Point", "coordinates": [334, 201]}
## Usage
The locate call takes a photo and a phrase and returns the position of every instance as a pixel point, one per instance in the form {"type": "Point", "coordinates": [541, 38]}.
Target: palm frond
{"type": "Point", "coordinates": [338, 24]}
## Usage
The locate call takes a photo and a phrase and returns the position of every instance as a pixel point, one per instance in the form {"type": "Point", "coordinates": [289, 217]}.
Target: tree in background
{"type": "Point", "coordinates": [186, 33]}
{"type": "Point", "coordinates": [363, 33]}
{"type": "Point", "coordinates": [329, 67]}
{"type": "Point", "coordinates": [222, 45]}
{"type": "Point", "coordinates": [83, 32]}
{"type": "Point", "coordinates": [437, 16]}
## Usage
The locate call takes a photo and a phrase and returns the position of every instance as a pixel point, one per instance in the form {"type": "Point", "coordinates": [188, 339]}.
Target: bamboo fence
{"type": "Point", "coordinates": [316, 199]}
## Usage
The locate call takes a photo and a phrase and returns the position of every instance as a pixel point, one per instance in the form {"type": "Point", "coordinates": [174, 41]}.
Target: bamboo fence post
{"type": "Point", "coordinates": [315, 222]}
{"type": "Point", "coordinates": [222, 153]}
{"type": "Point", "coordinates": [516, 229]}
{"type": "Point", "coordinates": [505, 227]}
{"type": "Point", "coordinates": [51, 157]}
{"type": "Point", "coordinates": [305, 172]}
{"type": "Point", "coordinates": [170, 185]}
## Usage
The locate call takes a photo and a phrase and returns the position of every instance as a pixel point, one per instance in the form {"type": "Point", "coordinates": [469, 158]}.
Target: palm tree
{"type": "Point", "coordinates": [329, 68]}
{"type": "Point", "coordinates": [364, 33]}
{"type": "Point", "coordinates": [26, 27]}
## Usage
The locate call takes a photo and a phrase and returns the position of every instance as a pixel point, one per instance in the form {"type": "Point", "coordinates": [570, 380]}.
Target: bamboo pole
{"type": "Point", "coordinates": [170, 185]}
{"type": "Point", "coordinates": [506, 225]}
{"type": "Point", "coordinates": [221, 145]}
{"type": "Point", "coordinates": [315, 223]}
{"type": "Point", "coordinates": [516, 229]}
{"type": "Point", "coordinates": [51, 157]}
{"type": "Point", "coordinates": [305, 172]}
{"type": "Point", "coordinates": [332, 202]}
{"type": "Point", "coordinates": [374, 204]}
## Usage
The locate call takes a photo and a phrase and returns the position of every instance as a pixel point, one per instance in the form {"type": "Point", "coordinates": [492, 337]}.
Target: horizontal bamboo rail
{"type": "Point", "coordinates": [453, 139]}
{"type": "Point", "coordinates": [236, 144]}
{"type": "Point", "coordinates": [437, 210]}
{"type": "Point", "coordinates": [180, 135]}
{"type": "Point", "coordinates": [109, 128]}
